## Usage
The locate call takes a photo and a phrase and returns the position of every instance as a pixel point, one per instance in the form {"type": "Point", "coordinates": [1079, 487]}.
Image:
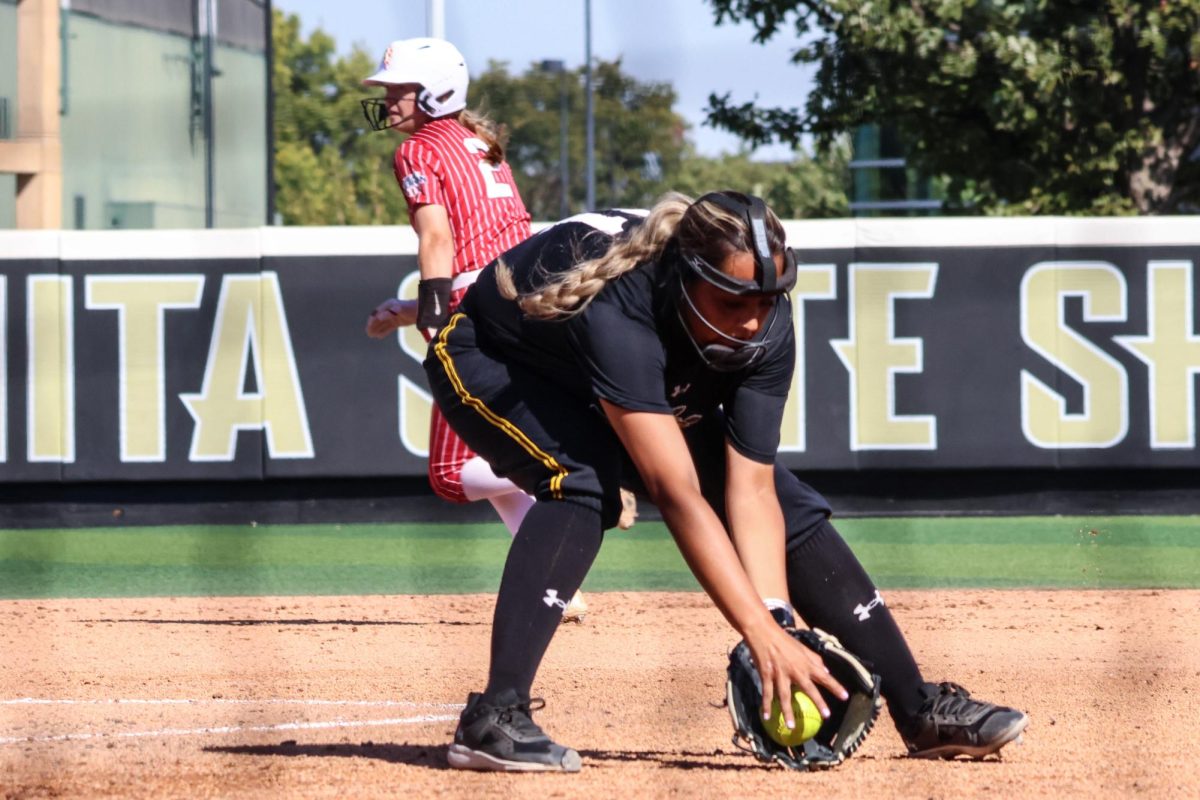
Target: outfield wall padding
{"type": "Point", "coordinates": [929, 344]}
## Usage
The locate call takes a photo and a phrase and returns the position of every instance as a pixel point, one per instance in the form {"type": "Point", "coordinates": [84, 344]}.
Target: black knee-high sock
{"type": "Point", "coordinates": [831, 590]}
{"type": "Point", "coordinates": [549, 558]}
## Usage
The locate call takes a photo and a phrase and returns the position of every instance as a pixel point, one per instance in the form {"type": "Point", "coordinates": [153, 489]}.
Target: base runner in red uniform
{"type": "Point", "coordinates": [465, 208]}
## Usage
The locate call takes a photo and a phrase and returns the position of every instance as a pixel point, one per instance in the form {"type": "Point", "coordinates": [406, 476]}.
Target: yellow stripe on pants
{"type": "Point", "coordinates": [512, 431]}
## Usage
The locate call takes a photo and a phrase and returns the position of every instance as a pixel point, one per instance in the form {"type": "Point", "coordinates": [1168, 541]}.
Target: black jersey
{"type": "Point", "coordinates": [629, 346]}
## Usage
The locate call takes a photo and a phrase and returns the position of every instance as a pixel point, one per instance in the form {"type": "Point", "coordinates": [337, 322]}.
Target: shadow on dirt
{"type": "Point", "coordinates": [284, 622]}
{"type": "Point", "coordinates": [674, 759]}
{"type": "Point", "coordinates": [434, 757]}
{"type": "Point", "coordinates": [423, 755]}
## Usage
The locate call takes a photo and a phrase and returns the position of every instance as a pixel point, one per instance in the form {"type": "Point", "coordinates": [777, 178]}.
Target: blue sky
{"type": "Point", "coordinates": [676, 41]}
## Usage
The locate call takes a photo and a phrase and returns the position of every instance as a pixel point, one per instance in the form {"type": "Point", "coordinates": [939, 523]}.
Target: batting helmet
{"type": "Point", "coordinates": [435, 64]}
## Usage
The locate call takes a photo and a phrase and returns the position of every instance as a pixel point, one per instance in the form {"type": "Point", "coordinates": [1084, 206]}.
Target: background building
{"type": "Point", "coordinates": [882, 183]}
{"type": "Point", "coordinates": [127, 114]}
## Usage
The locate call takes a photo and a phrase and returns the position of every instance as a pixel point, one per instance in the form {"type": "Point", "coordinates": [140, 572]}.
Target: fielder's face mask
{"type": "Point", "coordinates": [730, 353]}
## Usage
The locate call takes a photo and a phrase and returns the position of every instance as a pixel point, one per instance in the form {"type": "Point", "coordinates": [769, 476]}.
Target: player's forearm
{"type": "Point", "coordinates": [756, 521]}
{"type": "Point", "coordinates": [435, 259]}
{"type": "Point", "coordinates": [756, 527]}
{"type": "Point", "coordinates": [435, 241]}
{"type": "Point", "coordinates": [657, 447]}
{"type": "Point", "coordinates": [709, 553]}
{"type": "Point", "coordinates": [435, 256]}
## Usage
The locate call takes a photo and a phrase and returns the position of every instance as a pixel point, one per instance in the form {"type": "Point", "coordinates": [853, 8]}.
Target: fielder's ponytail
{"type": "Point", "coordinates": [568, 293]}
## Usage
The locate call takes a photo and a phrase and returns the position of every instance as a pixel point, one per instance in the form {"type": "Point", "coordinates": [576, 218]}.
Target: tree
{"type": "Point", "coordinates": [1024, 107]}
{"type": "Point", "coordinates": [642, 150]}
{"type": "Point", "coordinates": [639, 137]}
{"type": "Point", "coordinates": [330, 168]}
{"type": "Point", "coordinates": [803, 188]}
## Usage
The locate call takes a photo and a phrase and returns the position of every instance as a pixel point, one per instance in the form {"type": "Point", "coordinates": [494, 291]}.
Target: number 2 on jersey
{"type": "Point", "coordinates": [495, 186]}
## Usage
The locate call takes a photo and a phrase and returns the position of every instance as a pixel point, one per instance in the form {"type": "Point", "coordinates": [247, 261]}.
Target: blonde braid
{"type": "Point", "coordinates": [568, 293]}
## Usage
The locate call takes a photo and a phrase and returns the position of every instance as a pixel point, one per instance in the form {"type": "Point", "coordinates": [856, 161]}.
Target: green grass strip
{"type": "Point", "coordinates": [1041, 552]}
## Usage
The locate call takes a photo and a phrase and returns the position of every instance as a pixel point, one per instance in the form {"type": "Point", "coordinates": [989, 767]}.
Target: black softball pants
{"type": "Point", "coordinates": [558, 447]}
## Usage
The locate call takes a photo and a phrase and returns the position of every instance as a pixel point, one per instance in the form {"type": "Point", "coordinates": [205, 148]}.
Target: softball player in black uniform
{"type": "Point", "coordinates": [655, 350]}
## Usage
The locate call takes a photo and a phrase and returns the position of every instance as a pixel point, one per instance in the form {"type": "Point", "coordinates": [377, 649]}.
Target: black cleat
{"type": "Point", "coordinates": [951, 724]}
{"type": "Point", "coordinates": [502, 737]}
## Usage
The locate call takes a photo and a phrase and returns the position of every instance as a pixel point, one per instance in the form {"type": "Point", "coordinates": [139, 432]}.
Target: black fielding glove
{"type": "Point", "coordinates": [433, 303]}
{"type": "Point", "coordinates": [839, 736]}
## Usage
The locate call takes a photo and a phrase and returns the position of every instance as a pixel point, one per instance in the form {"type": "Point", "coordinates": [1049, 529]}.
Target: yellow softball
{"type": "Point", "coordinates": [808, 721]}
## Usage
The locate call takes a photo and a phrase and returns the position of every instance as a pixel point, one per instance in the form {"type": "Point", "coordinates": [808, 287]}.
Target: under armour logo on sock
{"type": "Point", "coordinates": [551, 599]}
{"type": "Point", "coordinates": [864, 612]}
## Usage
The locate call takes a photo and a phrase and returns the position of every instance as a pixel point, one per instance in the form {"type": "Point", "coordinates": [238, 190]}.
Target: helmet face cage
{"type": "Point", "coordinates": [375, 109]}
{"type": "Point", "coordinates": [736, 354]}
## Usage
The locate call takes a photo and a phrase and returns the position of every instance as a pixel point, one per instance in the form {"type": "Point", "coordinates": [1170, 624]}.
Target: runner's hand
{"type": "Point", "coordinates": [390, 315]}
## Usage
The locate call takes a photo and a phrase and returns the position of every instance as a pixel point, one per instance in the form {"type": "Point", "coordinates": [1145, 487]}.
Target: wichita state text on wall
{"type": "Point", "coordinates": [927, 343]}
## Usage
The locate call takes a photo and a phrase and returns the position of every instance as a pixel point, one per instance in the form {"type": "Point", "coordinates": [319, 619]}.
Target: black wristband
{"type": "Point", "coordinates": [433, 302]}
{"type": "Point", "coordinates": [783, 617]}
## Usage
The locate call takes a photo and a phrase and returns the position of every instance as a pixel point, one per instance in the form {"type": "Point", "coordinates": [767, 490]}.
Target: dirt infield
{"type": "Point", "coordinates": [357, 696]}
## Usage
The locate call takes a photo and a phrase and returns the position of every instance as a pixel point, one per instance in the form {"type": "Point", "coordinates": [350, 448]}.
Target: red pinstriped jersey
{"type": "Point", "coordinates": [443, 164]}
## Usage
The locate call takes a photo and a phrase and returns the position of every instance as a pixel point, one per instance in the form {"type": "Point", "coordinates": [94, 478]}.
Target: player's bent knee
{"type": "Point", "coordinates": [447, 484]}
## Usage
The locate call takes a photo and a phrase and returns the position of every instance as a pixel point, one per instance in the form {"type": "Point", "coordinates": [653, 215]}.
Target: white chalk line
{"type": "Point", "coordinates": [285, 726]}
{"type": "Point", "coordinates": [273, 701]}
{"type": "Point", "coordinates": [270, 701]}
